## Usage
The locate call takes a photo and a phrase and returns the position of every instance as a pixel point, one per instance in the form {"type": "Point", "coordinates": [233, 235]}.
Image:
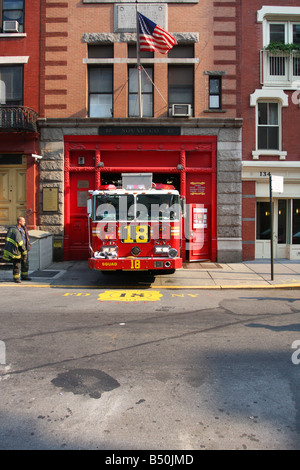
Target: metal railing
{"type": "Point", "coordinates": [18, 118]}
{"type": "Point", "coordinates": [279, 68]}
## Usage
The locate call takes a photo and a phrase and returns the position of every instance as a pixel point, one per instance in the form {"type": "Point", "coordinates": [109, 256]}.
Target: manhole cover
{"type": "Point", "coordinates": [90, 382]}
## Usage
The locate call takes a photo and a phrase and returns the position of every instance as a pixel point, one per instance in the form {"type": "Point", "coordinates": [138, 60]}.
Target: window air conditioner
{"type": "Point", "coordinates": [10, 26]}
{"type": "Point", "coordinates": [181, 110]}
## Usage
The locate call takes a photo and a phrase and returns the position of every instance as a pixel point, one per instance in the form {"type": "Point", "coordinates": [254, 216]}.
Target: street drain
{"type": "Point", "coordinates": [90, 382]}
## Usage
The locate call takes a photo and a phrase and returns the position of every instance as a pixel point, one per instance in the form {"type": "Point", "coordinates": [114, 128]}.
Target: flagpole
{"type": "Point", "coordinates": [139, 68]}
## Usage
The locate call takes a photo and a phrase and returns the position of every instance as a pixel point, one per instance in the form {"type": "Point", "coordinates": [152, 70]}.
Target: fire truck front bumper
{"type": "Point", "coordinates": [135, 264]}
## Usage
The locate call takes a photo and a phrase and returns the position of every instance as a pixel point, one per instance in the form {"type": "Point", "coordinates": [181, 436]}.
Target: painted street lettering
{"type": "Point", "coordinates": [130, 296]}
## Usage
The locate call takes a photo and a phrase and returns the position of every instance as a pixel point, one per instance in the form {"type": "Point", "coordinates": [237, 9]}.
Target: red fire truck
{"type": "Point", "coordinates": [136, 227]}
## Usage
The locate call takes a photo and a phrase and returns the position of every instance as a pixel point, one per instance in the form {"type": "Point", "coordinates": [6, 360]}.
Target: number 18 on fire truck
{"type": "Point", "coordinates": [136, 227]}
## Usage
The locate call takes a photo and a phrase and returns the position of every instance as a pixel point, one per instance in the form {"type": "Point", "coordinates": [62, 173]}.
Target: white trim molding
{"type": "Point", "coordinates": [4, 60]}
{"type": "Point", "coordinates": [270, 94]}
{"type": "Point", "coordinates": [273, 12]}
{"type": "Point", "coordinates": [273, 153]}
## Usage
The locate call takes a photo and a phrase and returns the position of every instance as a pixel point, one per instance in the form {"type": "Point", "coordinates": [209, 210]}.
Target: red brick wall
{"type": "Point", "coordinates": [27, 46]}
{"type": "Point", "coordinates": [252, 43]}
{"type": "Point", "coordinates": [64, 76]}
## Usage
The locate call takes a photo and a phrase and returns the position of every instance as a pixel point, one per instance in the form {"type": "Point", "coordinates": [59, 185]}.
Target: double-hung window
{"type": "Point", "coordinates": [11, 82]}
{"type": "Point", "coordinates": [147, 87]}
{"type": "Point", "coordinates": [146, 91]}
{"type": "Point", "coordinates": [215, 87]}
{"type": "Point", "coordinates": [268, 126]}
{"type": "Point", "coordinates": [101, 91]}
{"type": "Point", "coordinates": [100, 82]}
{"type": "Point", "coordinates": [12, 15]}
{"type": "Point", "coordinates": [181, 84]}
{"type": "Point", "coordinates": [181, 77]}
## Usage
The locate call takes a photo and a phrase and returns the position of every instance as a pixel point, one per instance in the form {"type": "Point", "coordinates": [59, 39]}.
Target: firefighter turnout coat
{"type": "Point", "coordinates": [14, 246]}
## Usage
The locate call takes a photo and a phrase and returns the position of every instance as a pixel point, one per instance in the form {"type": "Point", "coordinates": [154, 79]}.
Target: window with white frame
{"type": "Point", "coordinates": [268, 126]}
{"type": "Point", "coordinates": [281, 54]}
{"type": "Point", "coordinates": [284, 32]}
{"type": "Point", "coordinates": [12, 78]}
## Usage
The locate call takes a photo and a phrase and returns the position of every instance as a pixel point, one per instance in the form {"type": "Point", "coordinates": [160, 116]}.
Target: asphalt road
{"type": "Point", "coordinates": [116, 369]}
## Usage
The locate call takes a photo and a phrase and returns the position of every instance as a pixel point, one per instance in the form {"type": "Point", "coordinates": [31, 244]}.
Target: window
{"type": "Point", "coordinates": [12, 77]}
{"type": "Point", "coordinates": [181, 84]}
{"type": "Point", "coordinates": [182, 52]}
{"type": "Point", "coordinates": [296, 222]}
{"type": "Point", "coordinates": [100, 82]}
{"type": "Point", "coordinates": [13, 10]}
{"type": "Point", "coordinates": [101, 91]}
{"type": "Point", "coordinates": [143, 54]}
{"type": "Point", "coordinates": [268, 126]}
{"type": "Point", "coordinates": [147, 85]}
{"type": "Point", "coordinates": [285, 32]}
{"type": "Point", "coordinates": [101, 52]}
{"type": "Point", "coordinates": [147, 91]}
{"type": "Point", "coordinates": [282, 221]}
{"type": "Point", "coordinates": [181, 77]}
{"type": "Point", "coordinates": [280, 68]}
{"type": "Point", "coordinates": [263, 221]}
{"type": "Point", "coordinates": [215, 86]}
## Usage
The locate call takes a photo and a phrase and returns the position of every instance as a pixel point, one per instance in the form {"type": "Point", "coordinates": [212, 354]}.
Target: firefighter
{"type": "Point", "coordinates": [17, 246]}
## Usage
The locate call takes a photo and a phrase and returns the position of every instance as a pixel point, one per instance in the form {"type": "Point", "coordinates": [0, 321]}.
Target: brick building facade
{"type": "Point", "coordinates": [271, 120]}
{"type": "Point", "coordinates": [19, 109]}
{"type": "Point", "coordinates": [91, 131]}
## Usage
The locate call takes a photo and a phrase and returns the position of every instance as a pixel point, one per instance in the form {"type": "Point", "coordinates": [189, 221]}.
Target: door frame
{"type": "Point", "coordinates": [263, 247]}
{"type": "Point", "coordinates": [117, 145]}
{"type": "Point", "coordinates": [12, 171]}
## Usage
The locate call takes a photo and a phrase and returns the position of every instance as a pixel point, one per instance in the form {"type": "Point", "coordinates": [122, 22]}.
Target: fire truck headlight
{"type": "Point", "coordinates": [110, 251]}
{"type": "Point", "coordinates": [172, 253]}
{"type": "Point", "coordinates": [161, 250]}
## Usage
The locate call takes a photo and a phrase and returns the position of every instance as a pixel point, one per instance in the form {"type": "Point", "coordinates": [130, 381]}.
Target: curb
{"type": "Point", "coordinates": [216, 287]}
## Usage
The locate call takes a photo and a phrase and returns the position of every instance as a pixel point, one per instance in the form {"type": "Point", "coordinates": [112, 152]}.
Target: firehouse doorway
{"type": "Point", "coordinates": [79, 240]}
{"type": "Point", "coordinates": [186, 162]}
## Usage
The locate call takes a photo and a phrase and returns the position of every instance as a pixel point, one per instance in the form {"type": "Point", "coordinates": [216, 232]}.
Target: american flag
{"type": "Point", "coordinates": [153, 37]}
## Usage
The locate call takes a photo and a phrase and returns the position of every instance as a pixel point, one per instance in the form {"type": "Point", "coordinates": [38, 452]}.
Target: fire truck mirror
{"type": "Point", "coordinates": [183, 206]}
{"type": "Point", "coordinates": [89, 208]}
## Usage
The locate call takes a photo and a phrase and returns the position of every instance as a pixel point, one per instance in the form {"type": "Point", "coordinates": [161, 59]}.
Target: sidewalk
{"type": "Point", "coordinates": [247, 275]}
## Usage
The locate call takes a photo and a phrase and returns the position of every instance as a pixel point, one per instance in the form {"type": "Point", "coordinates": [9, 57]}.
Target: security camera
{"type": "Point", "coordinates": [39, 157]}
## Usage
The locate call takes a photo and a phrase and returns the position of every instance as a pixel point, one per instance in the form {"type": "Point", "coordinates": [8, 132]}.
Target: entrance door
{"type": "Point", "coordinates": [198, 229]}
{"type": "Point", "coordinates": [12, 194]}
{"type": "Point", "coordinates": [80, 183]}
{"type": "Point", "coordinates": [199, 246]}
{"type": "Point", "coordinates": [281, 221]}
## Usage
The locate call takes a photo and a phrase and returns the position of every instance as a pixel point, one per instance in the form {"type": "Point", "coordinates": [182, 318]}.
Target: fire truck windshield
{"type": "Point", "coordinates": [157, 206]}
{"type": "Point", "coordinates": [114, 207]}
